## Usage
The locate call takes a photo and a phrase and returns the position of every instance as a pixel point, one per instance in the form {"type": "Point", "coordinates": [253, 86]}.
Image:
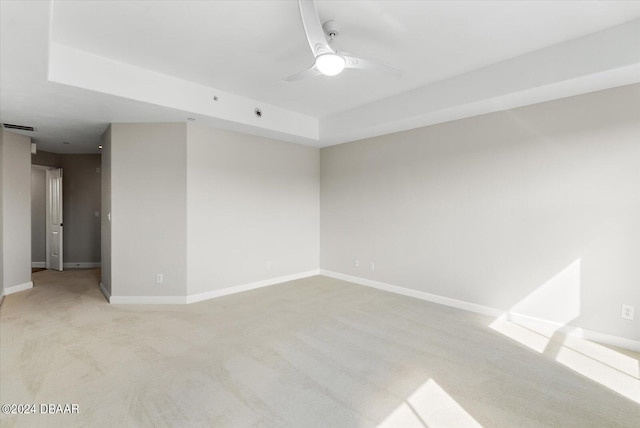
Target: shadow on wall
{"type": "Point", "coordinates": [532, 210]}
{"type": "Point", "coordinates": [484, 210]}
{"type": "Point", "coordinates": [528, 323]}
{"type": "Point", "coordinates": [541, 320]}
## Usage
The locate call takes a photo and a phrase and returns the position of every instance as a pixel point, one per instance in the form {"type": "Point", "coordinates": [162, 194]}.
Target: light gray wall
{"type": "Point", "coordinates": [38, 216]}
{"type": "Point", "coordinates": [105, 195]}
{"type": "Point", "coordinates": [250, 201]}
{"type": "Point", "coordinates": [1, 218]}
{"type": "Point", "coordinates": [205, 205]}
{"type": "Point", "coordinates": [534, 208]}
{"type": "Point", "coordinates": [81, 200]}
{"type": "Point", "coordinates": [148, 208]}
{"type": "Point", "coordinates": [16, 209]}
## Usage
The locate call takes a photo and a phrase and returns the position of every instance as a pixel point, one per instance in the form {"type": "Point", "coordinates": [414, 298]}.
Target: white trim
{"type": "Point", "coordinates": [538, 323]}
{"type": "Point", "coordinates": [80, 265]}
{"type": "Point", "coordinates": [447, 301]}
{"type": "Point", "coordinates": [173, 300]}
{"type": "Point", "coordinates": [38, 264]}
{"type": "Point", "coordinates": [52, 175]}
{"type": "Point", "coordinates": [525, 320]}
{"type": "Point", "coordinates": [159, 89]}
{"type": "Point", "coordinates": [608, 339]}
{"type": "Point", "coordinates": [250, 286]}
{"type": "Point", "coordinates": [43, 167]}
{"type": "Point", "coordinates": [105, 292]}
{"type": "Point", "coordinates": [144, 300]}
{"type": "Point", "coordinates": [570, 330]}
{"type": "Point", "coordinates": [18, 288]}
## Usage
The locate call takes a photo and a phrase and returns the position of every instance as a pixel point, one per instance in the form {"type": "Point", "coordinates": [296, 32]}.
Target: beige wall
{"type": "Point", "coordinates": [105, 221]}
{"type": "Point", "coordinates": [250, 201]}
{"type": "Point", "coordinates": [43, 158]}
{"type": "Point", "coordinates": [81, 200]}
{"type": "Point", "coordinates": [38, 216]}
{"type": "Point", "coordinates": [16, 209]}
{"type": "Point", "coordinates": [1, 217]}
{"type": "Point", "coordinates": [148, 209]}
{"type": "Point", "coordinates": [534, 209]}
{"type": "Point", "coordinates": [206, 208]}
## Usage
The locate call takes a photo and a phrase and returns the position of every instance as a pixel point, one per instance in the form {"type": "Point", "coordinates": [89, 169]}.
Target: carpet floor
{"type": "Point", "coordinates": [316, 352]}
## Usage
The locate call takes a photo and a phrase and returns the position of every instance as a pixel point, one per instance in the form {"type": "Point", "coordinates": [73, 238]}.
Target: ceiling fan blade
{"type": "Point", "coordinates": [370, 65]}
{"type": "Point", "coordinates": [306, 74]}
{"type": "Point", "coordinates": [313, 28]}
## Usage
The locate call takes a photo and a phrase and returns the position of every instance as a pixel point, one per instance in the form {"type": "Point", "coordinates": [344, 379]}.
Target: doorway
{"type": "Point", "coordinates": [47, 251]}
{"type": "Point", "coordinates": [80, 175]}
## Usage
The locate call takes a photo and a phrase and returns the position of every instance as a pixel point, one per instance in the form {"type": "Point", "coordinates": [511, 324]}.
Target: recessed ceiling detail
{"type": "Point", "coordinates": [69, 68]}
{"type": "Point", "coordinates": [559, 71]}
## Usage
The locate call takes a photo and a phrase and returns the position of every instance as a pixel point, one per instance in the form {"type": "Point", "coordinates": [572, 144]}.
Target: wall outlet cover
{"type": "Point", "coordinates": [627, 312]}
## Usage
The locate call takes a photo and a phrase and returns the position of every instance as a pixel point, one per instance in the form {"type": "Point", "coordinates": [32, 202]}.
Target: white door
{"type": "Point", "coordinates": [54, 219]}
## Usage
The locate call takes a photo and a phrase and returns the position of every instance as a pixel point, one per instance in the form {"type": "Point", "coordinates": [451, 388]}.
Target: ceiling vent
{"type": "Point", "coordinates": [19, 127]}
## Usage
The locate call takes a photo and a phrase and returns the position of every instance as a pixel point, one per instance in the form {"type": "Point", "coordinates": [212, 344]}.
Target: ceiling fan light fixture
{"type": "Point", "coordinates": [330, 64]}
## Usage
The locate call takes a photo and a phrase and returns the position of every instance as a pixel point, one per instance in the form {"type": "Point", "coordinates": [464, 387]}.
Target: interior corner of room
{"type": "Point", "coordinates": [533, 214]}
{"type": "Point", "coordinates": [465, 236]}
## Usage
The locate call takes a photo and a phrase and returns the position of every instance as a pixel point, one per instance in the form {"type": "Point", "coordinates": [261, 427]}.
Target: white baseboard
{"type": "Point", "coordinates": [17, 288]}
{"type": "Point", "coordinates": [570, 330]}
{"type": "Point", "coordinates": [447, 301]}
{"type": "Point", "coordinates": [81, 265]}
{"type": "Point", "coordinates": [69, 265]}
{"type": "Point", "coordinates": [524, 320]}
{"type": "Point", "coordinates": [172, 300]}
{"type": "Point", "coordinates": [607, 339]}
{"type": "Point", "coordinates": [250, 286]}
{"type": "Point", "coordinates": [147, 300]}
{"type": "Point", "coordinates": [537, 323]}
{"type": "Point", "coordinates": [105, 292]}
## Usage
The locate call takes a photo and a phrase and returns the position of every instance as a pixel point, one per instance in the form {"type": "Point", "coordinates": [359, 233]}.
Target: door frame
{"type": "Point", "coordinates": [59, 266]}
{"type": "Point", "coordinates": [44, 169]}
{"type": "Point", "coordinates": [48, 213]}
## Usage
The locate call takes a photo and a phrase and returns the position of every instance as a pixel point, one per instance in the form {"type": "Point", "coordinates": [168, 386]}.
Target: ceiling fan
{"type": "Point", "coordinates": [329, 60]}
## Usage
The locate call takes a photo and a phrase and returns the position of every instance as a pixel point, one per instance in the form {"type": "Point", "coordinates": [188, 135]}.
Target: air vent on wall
{"type": "Point", "coordinates": [19, 127]}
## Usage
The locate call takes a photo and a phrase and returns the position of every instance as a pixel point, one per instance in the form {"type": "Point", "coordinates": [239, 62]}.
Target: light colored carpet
{"type": "Point", "coordinates": [316, 352]}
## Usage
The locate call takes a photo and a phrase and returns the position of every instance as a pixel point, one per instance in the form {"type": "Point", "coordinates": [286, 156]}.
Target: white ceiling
{"type": "Point", "coordinates": [242, 49]}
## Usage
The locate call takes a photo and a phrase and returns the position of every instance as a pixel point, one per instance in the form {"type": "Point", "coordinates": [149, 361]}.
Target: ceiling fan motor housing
{"type": "Point", "coordinates": [331, 29]}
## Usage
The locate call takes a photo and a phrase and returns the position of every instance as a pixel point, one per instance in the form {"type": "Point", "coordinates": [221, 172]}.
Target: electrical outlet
{"type": "Point", "coordinates": [268, 264]}
{"type": "Point", "coordinates": [627, 312]}
{"type": "Point", "coordinates": [372, 265]}
{"type": "Point", "coordinates": [159, 278]}
{"type": "Point", "coordinates": [356, 263]}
